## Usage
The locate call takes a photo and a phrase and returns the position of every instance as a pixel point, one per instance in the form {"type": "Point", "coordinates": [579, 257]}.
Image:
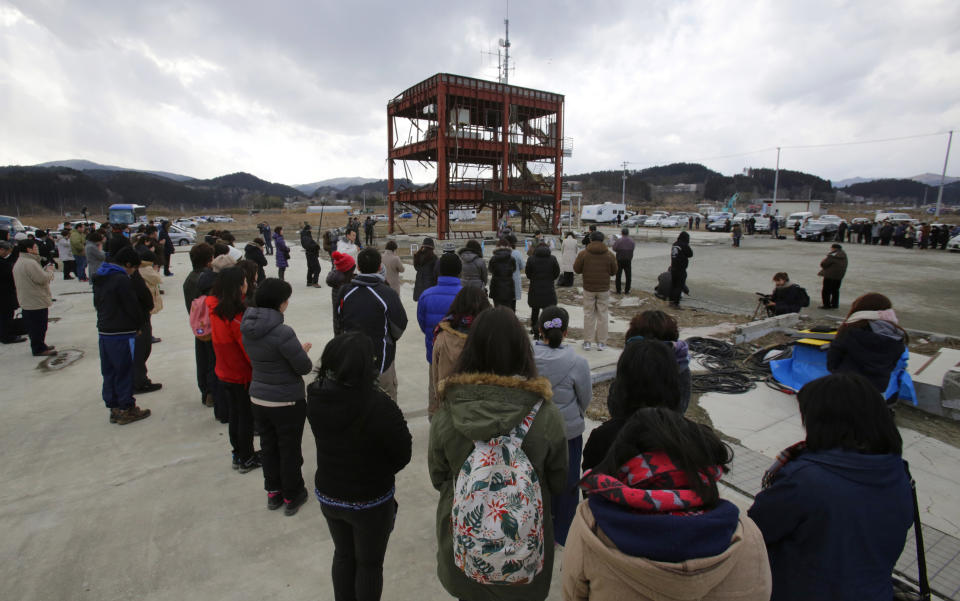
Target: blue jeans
{"type": "Point", "coordinates": [116, 366]}
{"type": "Point", "coordinates": [565, 504]}
{"type": "Point", "coordinates": [81, 266]}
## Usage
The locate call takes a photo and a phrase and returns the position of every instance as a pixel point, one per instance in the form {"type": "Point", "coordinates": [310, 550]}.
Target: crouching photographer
{"type": "Point", "coordinates": [786, 297]}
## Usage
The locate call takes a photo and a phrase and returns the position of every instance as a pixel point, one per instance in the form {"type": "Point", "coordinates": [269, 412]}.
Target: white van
{"type": "Point", "coordinates": [795, 218]}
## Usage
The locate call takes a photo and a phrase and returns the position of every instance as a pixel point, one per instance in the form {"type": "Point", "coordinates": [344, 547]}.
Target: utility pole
{"type": "Point", "coordinates": [776, 183]}
{"type": "Point", "coordinates": [623, 188]}
{"type": "Point", "coordinates": [943, 175]}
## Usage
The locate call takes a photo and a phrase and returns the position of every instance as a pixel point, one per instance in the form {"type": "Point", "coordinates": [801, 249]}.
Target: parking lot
{"type": "Point", "coordinates": [923, 285]}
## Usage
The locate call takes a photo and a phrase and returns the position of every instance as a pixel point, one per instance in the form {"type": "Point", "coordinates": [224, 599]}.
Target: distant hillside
{"type": "Point", "coordinates": [85, 165]}
{"type": "Point", "coordinates": [375, 189]}
{"type": "Point", "coordinates": [337, 183]}
{"type": "Point", "coordinates": [933, 179]}
{"type": "Point", "coordinates": [843, 183]}
{"type": "Point", "coordinates": [905, 191]}
{"type": "Point", "coordinates": [245, 182]}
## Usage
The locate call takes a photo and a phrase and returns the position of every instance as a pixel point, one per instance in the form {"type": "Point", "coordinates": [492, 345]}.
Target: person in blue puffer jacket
{"type": "Point", "coordinates": [435, 301]}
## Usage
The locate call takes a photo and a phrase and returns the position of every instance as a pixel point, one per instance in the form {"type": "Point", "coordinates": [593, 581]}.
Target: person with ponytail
{"type": "Point", "coordinates": [653, 525]}
{"type": "Point", "coordinates": [870, 343]}
{"type": "Point", "coordinates": [569, 376]}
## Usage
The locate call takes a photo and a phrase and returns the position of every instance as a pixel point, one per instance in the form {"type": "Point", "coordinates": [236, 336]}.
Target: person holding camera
{"type": "Point", "coordinates": [786, 297]}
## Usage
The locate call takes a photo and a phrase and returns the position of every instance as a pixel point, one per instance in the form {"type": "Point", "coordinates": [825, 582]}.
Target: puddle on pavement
{"type": "Point", "coordinates": [62, 359]}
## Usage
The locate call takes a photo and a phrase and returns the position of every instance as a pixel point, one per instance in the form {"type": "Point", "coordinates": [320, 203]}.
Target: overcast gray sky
{"type": "Point", "coordinates": [297, 91]}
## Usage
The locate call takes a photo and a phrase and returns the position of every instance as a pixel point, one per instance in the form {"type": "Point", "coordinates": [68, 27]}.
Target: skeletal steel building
{"type": "Point", "coordinates": [492, 146]}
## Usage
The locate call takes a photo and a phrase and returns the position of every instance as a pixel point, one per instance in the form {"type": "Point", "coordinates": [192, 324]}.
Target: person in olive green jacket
{"type": "Point", "coordinates": [78, 239]}
{"type": "Point", "coordinates": [494, 388]}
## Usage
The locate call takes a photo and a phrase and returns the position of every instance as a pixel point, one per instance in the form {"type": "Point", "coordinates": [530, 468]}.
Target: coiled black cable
{"type": "Point", "coordinates": [732, 369]}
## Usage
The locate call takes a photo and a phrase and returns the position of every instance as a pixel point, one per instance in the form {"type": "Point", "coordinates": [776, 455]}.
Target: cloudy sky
{"type": "Point", "coordinates": [297, 91]}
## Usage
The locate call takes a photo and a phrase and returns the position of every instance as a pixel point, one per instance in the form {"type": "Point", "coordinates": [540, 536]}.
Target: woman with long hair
{"type": "Point", "coordinates": [542, 271]}
{"type": "Point", "coordinates": [835, 508]}
{"type": "Point", "coordinates": [362, 443]}
{"type": "Point", "coordinates": [647, 376]}
{"type": "Point", "coordinates": [449, 336]}
{"type": "Point", "coordinates": [496, 394]}
{"type": "Point", "coordinates": [569, 376]}
{"type": "Point", "coordinates": [233, 368]}
{"type": "Point", "coordinates": [283, 251]}
{"type": "Point", "coordinates": [870, 342]}
{"type": "Point", "coordinates": [425, 264]}
{"type": "Point", "coordinates": [657, 325]}
{"type": "Point", "coordinates": [654, 526]}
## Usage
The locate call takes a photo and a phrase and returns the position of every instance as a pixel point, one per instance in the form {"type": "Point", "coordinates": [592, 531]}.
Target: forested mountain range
{"type": "Point", "coordinates": [31, 189]}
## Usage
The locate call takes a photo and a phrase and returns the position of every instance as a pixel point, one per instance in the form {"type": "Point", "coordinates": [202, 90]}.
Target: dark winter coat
{"type": "Point", "coordinates": [191, 286]}
{"type": "Point", "coordinates": [335, 279]}
{"type": "Point", "coordinates": [433, 306]}
{"type": "Point", "coordinates": [623, 248]}
{"type": "Point", "coordinates": [680, 254]}
{"type": "Point", "coordinates": [310, 246]}
{"type": "Point", "coordinates": [502, 266]}
{"type": "Point", "coordinates": [116, 241]}
{"type": "Point", "coordinates": [834, 266]}
{"type": "Point", "coordinates": [118, 311]}
{"type": "Point", "coordinates": [425, 264]}
{"type": "Point", "coordinates": [277, 357]}
{"type": "Point", "coordinates": [368, 305]}
{"type": "Point", "coordinates": [835, 523]}
{"type": "Point", "coordinates": [253, 252]}
{"type": "Point", "coordinates": [283, 251]}
{"type": "Point", "coordinates": [542, 270]}
{"type": "Point", "coordinates": [8, 289]}
{"type": "Point", "coordinates": [362, 440]}
{"type": "Point", "coordinates": [474, 272]}
{"type": "Point", "coordinates": [872, 352]}
{"type": "Point", "coordinates": [789, 299]}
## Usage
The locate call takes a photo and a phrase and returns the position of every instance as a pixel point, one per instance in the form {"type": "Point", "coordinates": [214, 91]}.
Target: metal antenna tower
{"type": "Point", "coordinates": [504, 66]}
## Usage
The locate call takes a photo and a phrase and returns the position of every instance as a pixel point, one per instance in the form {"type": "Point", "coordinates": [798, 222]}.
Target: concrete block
{"type": "Point", "coordinates": [758, 329]}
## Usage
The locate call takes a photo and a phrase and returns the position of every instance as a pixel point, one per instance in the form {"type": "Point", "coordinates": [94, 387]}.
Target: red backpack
{"type": "Point", "coordinates": [200, 318]}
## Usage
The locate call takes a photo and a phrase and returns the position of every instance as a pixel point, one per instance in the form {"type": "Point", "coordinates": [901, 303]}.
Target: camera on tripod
{"type": "Point", "coordinates": [762, 307]}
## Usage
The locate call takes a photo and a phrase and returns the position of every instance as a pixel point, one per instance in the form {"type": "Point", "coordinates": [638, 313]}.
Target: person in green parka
{"type": "Point", "coordinates": [493, 388]}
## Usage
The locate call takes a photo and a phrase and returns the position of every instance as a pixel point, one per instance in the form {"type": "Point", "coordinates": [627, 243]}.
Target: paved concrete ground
{"type": "Point", "coordinates": [153, 511]}
{"type": "Point", "coordinates": [923, 285]}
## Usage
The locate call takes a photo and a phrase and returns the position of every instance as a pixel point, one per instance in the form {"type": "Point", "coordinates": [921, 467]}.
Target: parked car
{"type": "Point", "coordinates": [832, 218]}
{"type": "Point", "coordinates": [184, 222]}
{"type": "Point", "coordinates": [954, 244]}
{"type": "Point", "coordinates": [719, 225]}
{"type": "Point", "coordinates": [89, 223]}
{"type": "Point", "coordinates": [818, 231]}
{"type": "Point", "coordinates": [671, 221]}
{"type": "Point", "coordinates": [181, 236]}
{"type": "Point", "coordinates": [222, 219]}
{"type": "Point", "coordinates": [653, 220]}
{"type": "Point", "coordinates": [633, 221]}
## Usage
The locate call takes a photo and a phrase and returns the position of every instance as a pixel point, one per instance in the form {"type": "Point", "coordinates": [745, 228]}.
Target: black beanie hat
{"type": "Point", "coordinates": [449, 264]}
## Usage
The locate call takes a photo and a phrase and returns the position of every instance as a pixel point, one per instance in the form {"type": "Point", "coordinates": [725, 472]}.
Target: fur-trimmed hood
{"type": "Point", "coordinates": [446, 327]}
{"type": "Point", "coordinates": [485, 405]}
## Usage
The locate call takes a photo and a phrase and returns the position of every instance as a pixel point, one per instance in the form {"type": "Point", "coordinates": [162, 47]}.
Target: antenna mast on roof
{"type": "Point", "coordinates": [504, 66]}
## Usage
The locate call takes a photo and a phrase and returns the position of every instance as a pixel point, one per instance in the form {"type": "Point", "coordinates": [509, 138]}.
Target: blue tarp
{"type": "Point", "coordinates": [809, 363]}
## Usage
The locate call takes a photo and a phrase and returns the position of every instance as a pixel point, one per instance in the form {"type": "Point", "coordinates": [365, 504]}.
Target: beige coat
{"type": "Point", "coordinates": [153, 280]}
{"type": "Point", "coordinates": [446, 351]}
{"type": "Point", "coordinates": [392, 267]}
{"type": "Point", "coordinates": [33, 283]}
{"type": "Point", "coordinates": [568, 253]}
{"type": "Point", "coordinates": [594, 569]}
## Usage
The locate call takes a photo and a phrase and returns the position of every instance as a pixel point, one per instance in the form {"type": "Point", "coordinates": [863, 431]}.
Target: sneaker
{"type": "Point", "coordinates": [586, 346]}
{"type": "Point", "coordinates": [151, 387]}
{"type": "Point", "coordinates": [155, 340]}
{"type": "Point", "coordinates": [114, 414]}
{"type": "Point", "coordinates": [47, 353]}
{"type": "Point", "coordinates": [250, 464]}
{"type": "Point", "coordinates": [291, 506]}
{"type": "Point", "coordinates": [274, 500]}
{"type": "Point", "coordinates": [133, 414]}
{"type": "Point", "coordinates": [601, 346]}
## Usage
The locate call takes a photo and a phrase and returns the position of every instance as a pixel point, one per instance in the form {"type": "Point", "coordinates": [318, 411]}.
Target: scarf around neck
{"type": "Point", "coordinates": [650, 483]}
{"type": "Point", "coordinates": [461, 324]}
{"type": "Point", "coordinates": [783, 458]}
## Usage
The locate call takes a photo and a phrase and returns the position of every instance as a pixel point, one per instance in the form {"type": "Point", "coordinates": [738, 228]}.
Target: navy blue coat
{"type": "Point", "coordinates": [835, 523]}
{"type": "Point", "coordinates": [433, 306]}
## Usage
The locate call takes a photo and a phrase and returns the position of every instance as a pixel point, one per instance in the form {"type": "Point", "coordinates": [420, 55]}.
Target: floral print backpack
{"type": "Point", "coordinates": [497, 516]}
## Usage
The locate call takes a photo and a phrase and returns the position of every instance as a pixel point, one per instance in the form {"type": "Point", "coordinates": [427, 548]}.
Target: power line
{"type": "Point", "coordinates": [877, 141]}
